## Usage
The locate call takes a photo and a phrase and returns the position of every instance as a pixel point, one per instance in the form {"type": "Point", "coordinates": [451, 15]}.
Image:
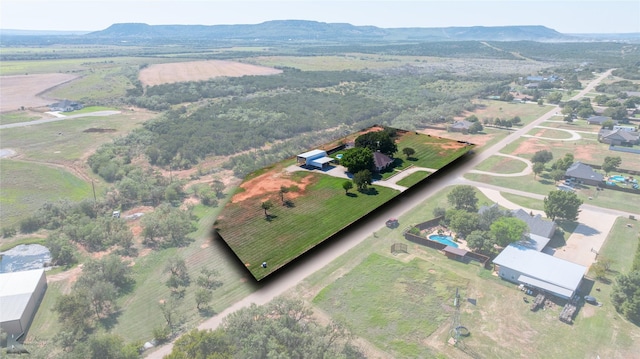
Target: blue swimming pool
{"type": "Point", "coordinates": [617, 178]}
{"type": "Point", "coordinates": [448, 240]}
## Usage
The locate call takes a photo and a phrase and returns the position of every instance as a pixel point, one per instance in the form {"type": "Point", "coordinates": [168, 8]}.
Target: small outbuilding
{"type": "Point", "coordinates": [314, 158]}
{"type": "Point", "coordinates": [20, 296]}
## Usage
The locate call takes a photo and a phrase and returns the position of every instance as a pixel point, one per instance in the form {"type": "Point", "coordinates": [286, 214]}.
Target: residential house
{"type": "Point", "coordinates": [461, 126]}
{"type": "Point", "coordinates": [599, 120]}
{"type": "Point", "coordinates": [583, 173]}
{"type": "Point", "coordinates": [538, 226]}
{"type": "Point", "coordinates": [619, 137]}
{"type": "Point", "coordinates": [65, 106]}
{"type": "Point", "coordinates": [381, 161]}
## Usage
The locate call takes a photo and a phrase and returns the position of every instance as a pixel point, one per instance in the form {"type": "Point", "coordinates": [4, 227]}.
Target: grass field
{"type": "Point", "coordinates": [525, 202]}
{"type": "Point", "coordinates": [25, 186]}
{"type": "Point", "coordinates": [319, 213]}
{"type": "Point", "coordinates": [431, 152]}
{"type": "Point", "coordinates": [507, 110]}
{"type": "Point", "coordinates": [394, 305]}
{"type": "Point", "coordinates": [499, 164]}
{"type": "Point", "coordinates": [20, 116]}
{"type": "Point", "coordinates": [545, 132]}
{"type": "Point", "coordinates": [413, 178]}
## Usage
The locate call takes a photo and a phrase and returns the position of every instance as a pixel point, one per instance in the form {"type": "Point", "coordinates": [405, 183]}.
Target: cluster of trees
{"type": "Point", "coordinates": [558, 168]}
{"type": "Point", "coordinates": [284, 328]}
{"type": "Point", "coordinates": [508, 123]}
{"type": "Point", "coordinates": [562, 205]}
{"type": "Point", "coordinates": [573, 109]}
{"type": "Point", "coordinates": [359, 160]}
{"type": "Point", "coordinates": [476, 126]}
{"type": "Point", "coordinates": [482, 230]}
{"type": "Point", "coordinates": [167, 226]}
{"type": "Point", "coordinates": [161, 97]}
{"type": "Point", "coordinates": [92, 300]}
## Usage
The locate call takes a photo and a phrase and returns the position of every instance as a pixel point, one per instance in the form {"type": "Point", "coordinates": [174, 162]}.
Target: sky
{"type": "Point", "coordinates": [568, 16]}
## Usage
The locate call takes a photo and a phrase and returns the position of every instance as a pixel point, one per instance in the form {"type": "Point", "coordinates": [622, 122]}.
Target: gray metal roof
{"type": "Point", "coordinates": [581, 171]}
{"type": "Point", "coordinates": [15, 290]}
{"type": "Point", "coordinates": [543, 267]}
{"type": "Point", "coordinates": [537, 225]}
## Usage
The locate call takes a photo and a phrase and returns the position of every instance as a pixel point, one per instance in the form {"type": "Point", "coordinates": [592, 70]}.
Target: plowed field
{"type": "Point", "coordinates": [199, 70]}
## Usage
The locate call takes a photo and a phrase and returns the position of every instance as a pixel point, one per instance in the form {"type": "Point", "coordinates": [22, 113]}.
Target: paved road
{"type": "Point", "coordinates": [339, 246]}
{"type": "Point", "coordinates": [59, 118]}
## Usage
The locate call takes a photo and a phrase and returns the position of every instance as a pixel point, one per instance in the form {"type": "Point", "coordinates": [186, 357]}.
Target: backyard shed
{"type": "Point", "coordinates": [524, 265]}
{"type": "Point", "coordinates": [314, 158]}
{"type": "Point", "coordinates": [20, 296]}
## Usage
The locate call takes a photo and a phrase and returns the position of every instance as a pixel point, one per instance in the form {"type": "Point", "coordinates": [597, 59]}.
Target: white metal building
{"type": "Point", "coordinates": [525, 265]}
{"type": "Point", "coordinates": [20, 296]}
{"type": "Point", "coordinates": [314, 158]}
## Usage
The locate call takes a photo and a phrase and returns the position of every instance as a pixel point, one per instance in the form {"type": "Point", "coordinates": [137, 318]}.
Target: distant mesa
{"type": "Point", "coordinates": [282, 211]}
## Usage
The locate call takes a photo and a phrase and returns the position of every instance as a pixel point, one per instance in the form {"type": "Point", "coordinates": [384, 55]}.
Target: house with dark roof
{"type": "Point", "coordinates": [599, 120]}
{"type": "Point", "coordinates": [381, 161]}
{"type": "Point", "coordinates": [619, 137]}
{"type": "Point", "coordinates": [582, 173]}
{"type": "Point", "coordinates": [461, 126]}
{"type": "Point", "coordinates": [538, 226]}
{"type": "Point", "coordinates": [65, 106]}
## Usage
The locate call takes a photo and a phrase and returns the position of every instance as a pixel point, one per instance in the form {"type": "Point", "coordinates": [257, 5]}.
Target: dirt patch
{"type": "Point", "coordinates": [529, 146]}
{"type": "Point", "coordinates": [270, 183]}
{"type": "Point", "coordinates": [100, 130]}
{"type": "Point", "coordinates": [199, 70]}
{"type": "Point", "coordinates": [70, 276]}
{"type": "Point", "coordinates": [26, 90]}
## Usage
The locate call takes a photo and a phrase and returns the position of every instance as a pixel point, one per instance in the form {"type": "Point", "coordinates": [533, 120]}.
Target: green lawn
{"type": "Point", "coordinates": [25, 186]}
{"type": "Point", "coordinates": [431, 152]}
{"type": "Point", "coordinates": [19, 116]}
{"type": "Point", "coordinates": [413, 178]}
{"type": "Point", "coordinates": [547, 133]}
{"type": "Point", "coordinates": [394, 305]}
{"type": "Point", "coordinates": [500, 164]}
{"type": "Point", "coordinates": [323, 210]}
{"type": "Point", "coordinates": [526, 202]}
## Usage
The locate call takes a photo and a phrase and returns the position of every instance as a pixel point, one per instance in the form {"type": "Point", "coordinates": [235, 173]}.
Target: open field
{"type": "Point", "coordinates": [501, 325]}
{"type": "Point", "coordinates": [24, 90]}
{"type": "Point", "coordinates": [319, 210]}
{"type": "Point", "coordinates": [492, 109]}
{"type": "Point", "coordinates": [25, 186]}
{"type": "Point", "coordinates": [199, 70]}
{"type": "Point", "coordinates": [362, 299]}
{"type": "Point", "coordinates": [20, 116]}
{"type": "Point", "coordinates": [500, 164]}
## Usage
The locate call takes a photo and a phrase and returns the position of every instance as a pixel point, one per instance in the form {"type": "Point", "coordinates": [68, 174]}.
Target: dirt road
{"type": "Point", "coordinates": [59, 118]}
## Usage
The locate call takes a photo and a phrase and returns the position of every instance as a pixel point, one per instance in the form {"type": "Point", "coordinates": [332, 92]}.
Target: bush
{"type": "Point", "coordinates": [29, 225]}
{"type": "Point", "coordinates": [8, 232]}
{"type": "Point", "coordinates": [161, 334]}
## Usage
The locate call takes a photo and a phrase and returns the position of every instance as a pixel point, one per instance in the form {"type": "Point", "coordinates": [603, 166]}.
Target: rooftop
{"type": "Point", "coordinates": [542, 267]}
{"type": "Point", "coordinates": [15, 290]}
{"type": "Point", "coordinates": [538, 226]}
{"type": "Point", "coordinates": [581, 171]}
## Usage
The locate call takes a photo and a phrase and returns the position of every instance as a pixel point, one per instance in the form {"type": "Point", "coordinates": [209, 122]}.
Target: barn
{"type": "Point", "coordinates": [314, 158]}
{"type": "Point", "coordinates": [525, 265]}
{"type": "Point", "coordinates": [20, 296]}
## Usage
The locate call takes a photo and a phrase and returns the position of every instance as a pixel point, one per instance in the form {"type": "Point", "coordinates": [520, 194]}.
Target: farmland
{"type": "Point", "coordinates": [274, 122]}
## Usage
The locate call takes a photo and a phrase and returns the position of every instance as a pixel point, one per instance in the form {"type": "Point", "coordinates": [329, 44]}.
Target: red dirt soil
{"type": "Point", "coordinates": [270, 183]}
